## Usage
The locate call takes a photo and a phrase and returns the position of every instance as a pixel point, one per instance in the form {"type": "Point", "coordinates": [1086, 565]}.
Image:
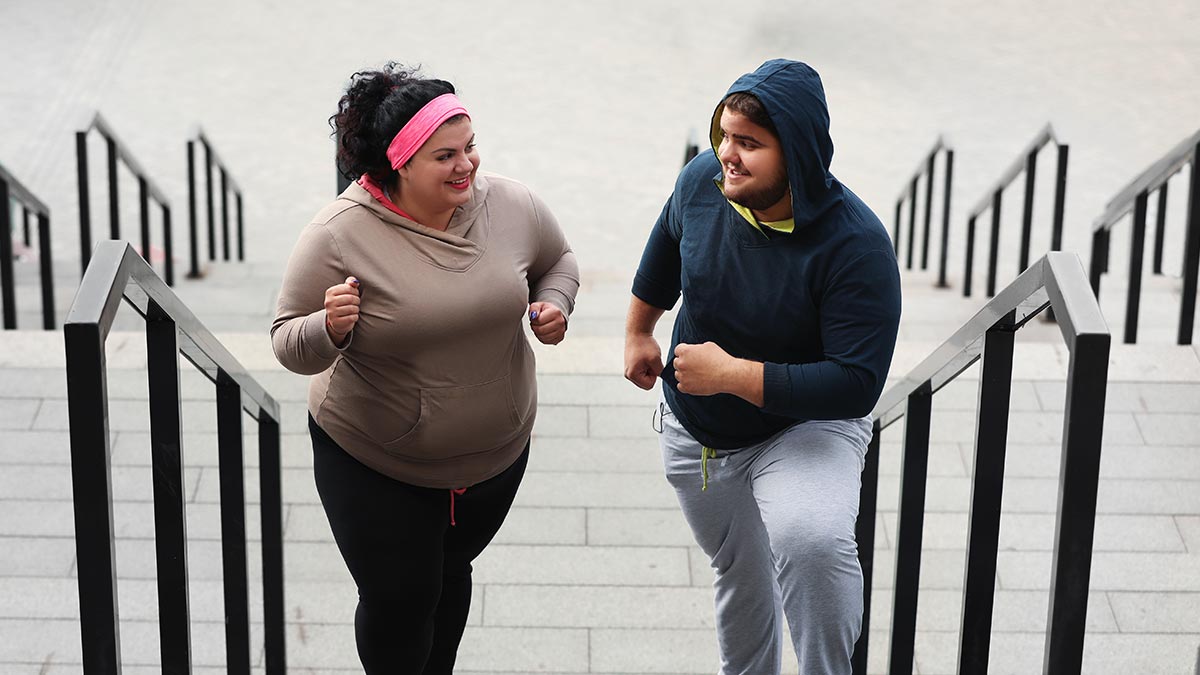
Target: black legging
{"type": "Point", "coordinates": [413, 569]}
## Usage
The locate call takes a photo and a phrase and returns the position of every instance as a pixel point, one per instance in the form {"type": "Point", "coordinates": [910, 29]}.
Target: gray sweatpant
{"type": "Point", "coordinates": [777, 521]}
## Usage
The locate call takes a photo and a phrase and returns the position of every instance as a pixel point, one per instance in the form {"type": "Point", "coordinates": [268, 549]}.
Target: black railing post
{"type": "Point", "coordinates": [271, 500]}
{"type": "Point", "coordinates": [7, 290]}
{"type": "Point", "coordinates": [909, 531]}
{"type": "Point", "coordinates": [1027, 212]}
{"type": "Point", "coordinates": [144, 219]}
{"type": "Point", "coordinates": [241, 234]}
{"type": "Point", "coordinates": [1083, 430]}
{"type": "Point", "coordinates": [944, 256]}
{"type": "Point", "coordinates": [224, 214]}
{"type": "Point", "coordinates": [987, 487]}
{"type": "Point", "coordinates": [896, 235]}
{"type": "Point", "coordinates": [233, 525]}
{"type": "Point", "coordinates": [1160, 228]}
{"type": "Point", "coordinates": [168, 247]}
{"type": "Point", "coordinates": [91, 485]}
{"type": "Point", "coordinates": [1060, 198]}
{"type": "Point", "coordinates": [114, 205]}
{"type": "Point", "coordinates": [212, 213]}
{"type": "Point", "coordinates": [46, 266]}
{"type": "Point", "coordinates": [170, 523]}
{"type": "Point", "coordinates": [1137, 249]}
{"type": "Point", "coordinates": [1099, 262]}
{"type": "Point", "coordinates": [994, 253]}
{"type": "Point", "coordinates": [970, 257]}
{"type": "Point", "coordinates": [25, 225]}
{"type": "Point", "coordinates": [912, 223]}
{"type": "Point", "coordinates": [193, 234]}
{"type": "Point", "coordinates": [1191, 254]}
{"type": "Point", "coordinates": [85, 207]}
{"type": "Point", "coordinates": [864, 535]}
{"type": "Point", "coordinates": [928, 211]}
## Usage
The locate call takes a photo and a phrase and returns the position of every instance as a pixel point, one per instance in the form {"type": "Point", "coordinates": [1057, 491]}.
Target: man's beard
{"type": "Point", "coordinates": [763, 198]}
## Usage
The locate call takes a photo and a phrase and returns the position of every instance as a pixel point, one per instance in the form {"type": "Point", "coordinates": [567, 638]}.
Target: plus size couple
{"type": "Point", "coordinates": [405, 299]}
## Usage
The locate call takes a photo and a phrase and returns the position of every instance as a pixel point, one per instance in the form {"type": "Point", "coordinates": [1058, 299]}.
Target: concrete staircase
{"type": "Point", "coordinates": [595, 571]}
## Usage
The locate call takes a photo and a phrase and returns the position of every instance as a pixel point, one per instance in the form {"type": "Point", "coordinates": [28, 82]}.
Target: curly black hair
{"type": "Point", "coordinates": [376, 105]}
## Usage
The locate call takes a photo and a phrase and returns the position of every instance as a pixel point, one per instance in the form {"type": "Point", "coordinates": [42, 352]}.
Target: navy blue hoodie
{"type": "Point", "coordinates": [820, 307]}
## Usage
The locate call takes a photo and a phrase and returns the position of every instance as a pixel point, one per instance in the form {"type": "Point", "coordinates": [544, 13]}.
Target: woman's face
{"type": "Point", "coordinates": [439, 176]}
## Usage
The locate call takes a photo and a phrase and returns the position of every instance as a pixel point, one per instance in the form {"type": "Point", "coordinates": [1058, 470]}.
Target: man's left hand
{"type": "Point", "coordinates": [548, 323]}
{"type": "Point", "coordinates": [703, 370]}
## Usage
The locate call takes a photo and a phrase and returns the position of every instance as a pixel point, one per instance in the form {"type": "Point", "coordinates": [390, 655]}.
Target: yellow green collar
{"type": "Point", "coordinates": [785, 226]}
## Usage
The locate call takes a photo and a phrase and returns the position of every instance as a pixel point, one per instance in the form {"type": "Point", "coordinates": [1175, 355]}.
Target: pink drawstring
{"type": "Point", "coordinates": [454, 491]}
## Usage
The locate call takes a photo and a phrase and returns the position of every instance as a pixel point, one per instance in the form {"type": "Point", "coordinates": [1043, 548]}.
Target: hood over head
{"type": "Point", "coordinates": [794, 99]}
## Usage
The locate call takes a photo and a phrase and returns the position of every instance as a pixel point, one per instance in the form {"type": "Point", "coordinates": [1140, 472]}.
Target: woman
{"type": "Point", "coordinates": [405, 299]}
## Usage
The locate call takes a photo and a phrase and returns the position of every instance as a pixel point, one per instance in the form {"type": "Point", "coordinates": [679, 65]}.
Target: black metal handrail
{"type": "Point", "coordinates": [691, 148]}
{"type": "Point", "coordinates": [146, 190]}
{"type": "Point", "coordinates": [926, 170]}
{"type": "Point", "coordinates": [1134, 197]}
{"type": "Point", "coordinates": [1025, 163]}
{"type": "Point", "coordinates": [1056, 281]}
{"type": "Point", "coordinates": [228, 184]}
{"type": "Point", "coordinates": [11, 189]}
{"type": "Point", "coordinates": [117, 272]}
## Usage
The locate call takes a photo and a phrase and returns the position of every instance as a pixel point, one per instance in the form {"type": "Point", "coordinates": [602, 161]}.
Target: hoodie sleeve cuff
{"type": "Point", "coordinates": [777, 388]}
{"type": "Point", "coordinates": [557, 298]}
{"type": "Point", "coordinates": [318, 338]}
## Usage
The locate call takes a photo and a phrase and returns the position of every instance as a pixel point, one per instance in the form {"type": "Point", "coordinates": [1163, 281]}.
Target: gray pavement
{"type": "Point", "coordinates": [595, 571]}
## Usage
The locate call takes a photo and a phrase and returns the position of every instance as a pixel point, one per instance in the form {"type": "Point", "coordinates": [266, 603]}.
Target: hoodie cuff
{"type": "Point", "coordinates": [318, 338]}
{"type": "Point", "coordinates": [777, 388]}
{"type": "Point", "coordinates": [557, 298]}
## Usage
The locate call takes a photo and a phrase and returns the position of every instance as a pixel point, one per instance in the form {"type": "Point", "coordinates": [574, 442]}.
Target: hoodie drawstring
{"type": "Point", "coordinates": [706, 453]}
{"type": "Point", "coordinates": [453, 492]}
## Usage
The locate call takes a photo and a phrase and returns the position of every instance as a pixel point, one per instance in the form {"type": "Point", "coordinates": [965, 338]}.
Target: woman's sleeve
{"type": "Point", "coordinates": [298, 335]}
{"type": "Point", "coordinates": [554, 274]}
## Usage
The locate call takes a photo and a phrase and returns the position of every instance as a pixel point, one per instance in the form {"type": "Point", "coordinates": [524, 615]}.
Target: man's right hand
{"type": "Point", "coordinates": [643, 359]}
{"type": "Point", "coordinates": [341, 309]}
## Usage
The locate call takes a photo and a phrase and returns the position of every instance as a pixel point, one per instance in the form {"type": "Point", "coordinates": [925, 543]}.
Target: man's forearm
{"type": "Point", "coordinates": [642, 317]}
{"type": "Point", "coordinates": [746, 380]}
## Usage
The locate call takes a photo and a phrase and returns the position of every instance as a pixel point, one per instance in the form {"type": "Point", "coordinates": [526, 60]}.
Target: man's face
{"type": "Point", "coordinates": [753, 166]}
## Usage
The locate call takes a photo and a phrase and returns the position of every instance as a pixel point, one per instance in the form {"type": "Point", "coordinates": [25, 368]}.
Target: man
{"type": "Point", "coordinates": [791, 302]}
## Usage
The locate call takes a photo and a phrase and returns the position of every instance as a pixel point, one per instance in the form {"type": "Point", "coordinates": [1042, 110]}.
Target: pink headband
{"type": "Point", "coordinates": [421, 127]}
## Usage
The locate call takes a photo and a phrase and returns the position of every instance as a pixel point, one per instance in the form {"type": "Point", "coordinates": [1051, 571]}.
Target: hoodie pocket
{"type": "Point", "coordinates": [457, 421]}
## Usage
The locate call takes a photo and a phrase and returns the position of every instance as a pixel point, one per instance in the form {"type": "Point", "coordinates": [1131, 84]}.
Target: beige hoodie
{"type": "Point", "coordinates": [435, 386]}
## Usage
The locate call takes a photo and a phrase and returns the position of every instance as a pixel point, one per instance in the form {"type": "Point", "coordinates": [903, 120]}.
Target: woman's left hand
{"type": "Point", "coordinates": [547, 322]}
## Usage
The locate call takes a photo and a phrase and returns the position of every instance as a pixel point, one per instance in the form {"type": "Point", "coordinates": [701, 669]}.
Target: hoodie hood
{"type": "Point", "coordinates": [794, 99]}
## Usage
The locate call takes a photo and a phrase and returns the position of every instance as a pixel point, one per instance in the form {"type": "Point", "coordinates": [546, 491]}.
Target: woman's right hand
{"type": "Point", "coordinates": [341, 309]}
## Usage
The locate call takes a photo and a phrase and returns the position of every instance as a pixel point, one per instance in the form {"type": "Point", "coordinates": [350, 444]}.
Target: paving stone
{"type": "Point", "coordinates": [560, 420]}
{"type": "Point", "coordinates": [18, 414]}
{"type": "Point", "coordinates": [1156, 612]}
{"type": "Point", "coordinates": [39, 557]}
{"type": "Point", "coordinates": [1012, 612]}
{"type": "Point", "coordinates": [603, 490]}
{"type": "Point", "coordinates": [621, 422]}
{"type": "Point", "coordinates": [1035, 532]}
{"type": "Point", "coordinates": [491, 649]}
{"type": "Point", "coordinates": [608, 455]}
{"type": "Point", "coordinates": [591, 390]}
{"type": "Point", "coordinates": [1159, 397]}
{"type": "Point", "coordinates": [1189, 529]}
{"type": "Point", "coordinates": [1148, 572]}
{"type": "Point", "coordinates": [35, 447]}
{"type": "Point", "coordinates": [584, 566]}
{"type": "Point", "coordinates": [598, 607]}
{"type": "Point", "coordinates": [1169, 429]}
